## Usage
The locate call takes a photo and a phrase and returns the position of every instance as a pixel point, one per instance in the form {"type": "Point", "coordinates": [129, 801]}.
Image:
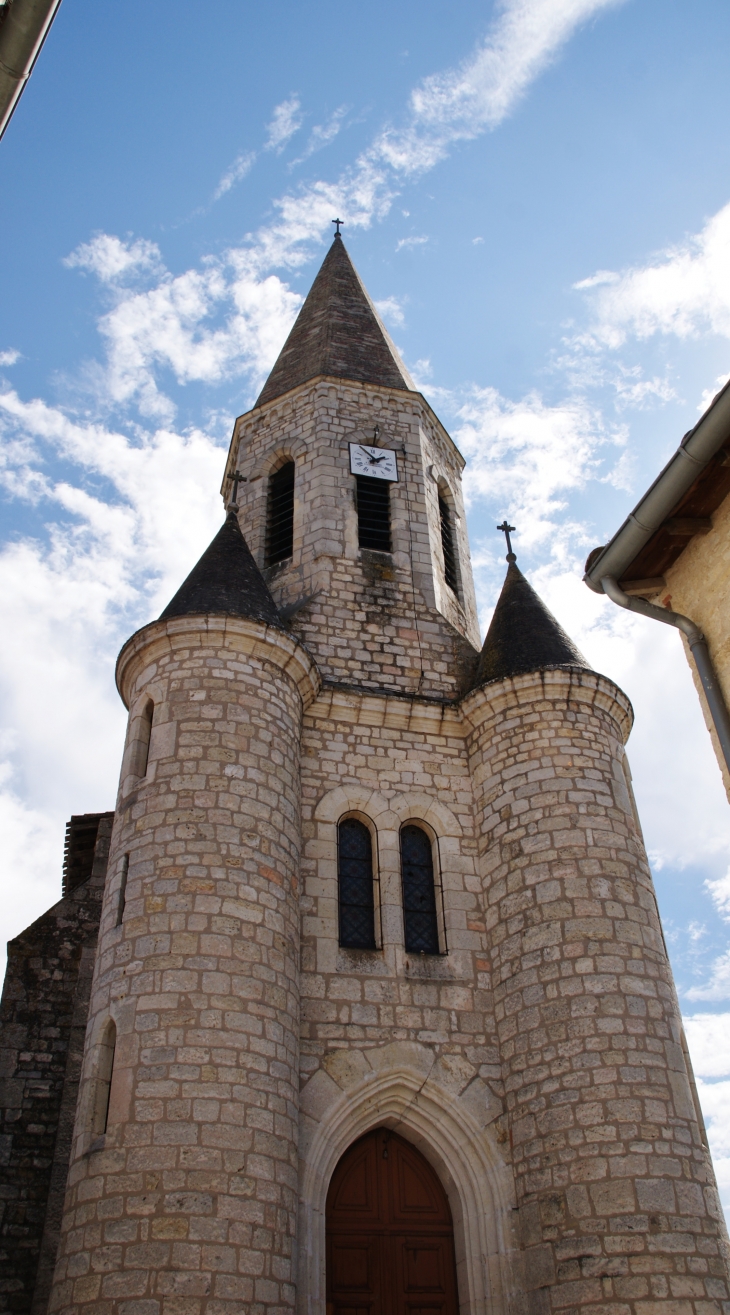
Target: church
{"type": "Point", "coordinates": [359, 1002]}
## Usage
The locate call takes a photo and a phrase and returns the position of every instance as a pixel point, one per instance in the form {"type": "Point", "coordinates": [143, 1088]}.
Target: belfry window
{"type": "Point", "coordinates": [448, 545]}
{"type": "Point", "coordinates": [280, 515]}
{"type": "Point", "coordinates": [373, 513]}
{"type": "Point", "coordinates": [419, 893]}
{"type": "Point", "coordinates": [355, 885]}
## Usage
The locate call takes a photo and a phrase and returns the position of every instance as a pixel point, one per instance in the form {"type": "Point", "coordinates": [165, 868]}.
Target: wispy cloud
{"type": "Point", "coordinates": [391, 310]}
{"type": "Point", "coordinates": [9, 357]}
{"type": "Point", "coordinates": [235, 173]}
{"type": "Point", "coordinates": [321, 135]}
{"type": "Point", "coordinates": [286, 120]}
{"type": "Point", "coordinates": [407, 243]}
{"type": "Point", "coordinates": [683, 291]}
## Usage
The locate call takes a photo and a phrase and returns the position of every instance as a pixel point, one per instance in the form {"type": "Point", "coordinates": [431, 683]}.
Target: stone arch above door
{"type": "Point", "coordinates": [402, 1086]}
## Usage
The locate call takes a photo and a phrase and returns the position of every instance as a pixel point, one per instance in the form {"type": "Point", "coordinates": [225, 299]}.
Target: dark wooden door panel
{"type": "Point", "coordinates": [390, 1242]}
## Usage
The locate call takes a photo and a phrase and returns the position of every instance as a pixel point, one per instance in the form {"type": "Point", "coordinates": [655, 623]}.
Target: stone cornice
{"type": "Point", "coordinates": [572, 685]}
{"type": "Point", "coordinates": [230, 634]}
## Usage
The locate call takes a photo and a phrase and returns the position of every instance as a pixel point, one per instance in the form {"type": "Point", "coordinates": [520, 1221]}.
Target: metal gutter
{"type": "Point", "coordinates": [22, 33]}
{"type": "Point", "coordinates": [697, 448]}
{"type": "Point", "coordinates": [698, 648]}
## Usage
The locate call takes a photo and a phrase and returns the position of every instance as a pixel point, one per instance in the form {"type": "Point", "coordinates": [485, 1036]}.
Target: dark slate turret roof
{"type": "Point", "coordinates": [338, 332]}
{"type": "Point", "coordinates": [524, 636]}
{"type": "Point", "coordinates": [225, 580]}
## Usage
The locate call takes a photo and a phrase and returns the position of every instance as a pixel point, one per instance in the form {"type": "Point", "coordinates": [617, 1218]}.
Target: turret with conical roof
{"type": "Point", "coordinates": [524, 635]}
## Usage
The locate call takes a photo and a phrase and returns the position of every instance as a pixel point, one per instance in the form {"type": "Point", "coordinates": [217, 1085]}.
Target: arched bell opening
{"type": "Point", "coordinates": [390, 1234]}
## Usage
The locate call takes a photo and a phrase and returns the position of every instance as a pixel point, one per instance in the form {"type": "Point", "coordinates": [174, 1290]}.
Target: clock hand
{"type": "Point", "coordinates": [374, 461]}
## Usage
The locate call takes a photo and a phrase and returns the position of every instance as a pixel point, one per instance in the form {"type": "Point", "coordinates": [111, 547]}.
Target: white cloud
{"type": "Point", "coordinates": [410, 242]}
{"type": "Point", "coordinates": [286, 120]}
{"type": "Point", "coordinates": [477, 241]}
{"type": "Point", "coordinates": [708, 1038]}
{"type": "Point", "coordinates": [391, 310]}
{"type": "Point", "coordinates": [684, 291]}
{"type": "Point", "coordinates": [235, 172]}
{"type": "Point", "coordinates": [322, 134]}
{"type": "Point", "coordinates": [110, 258]}
{"type": "Point", "coordinates": [10, 357]}
{"type": "Point", "coordinates": [527, 457]}
{"type": "Point", "coordinates": [461, 103]}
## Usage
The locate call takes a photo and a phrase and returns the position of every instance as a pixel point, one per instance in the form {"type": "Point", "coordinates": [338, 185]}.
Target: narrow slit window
{"type": "Point", "coordinates": [448, 545]}
{"type": "Point", "coordinates": [419, 893]}
{"type": "Point", "coordinates": [122, 897]}
{"type": "Point", "coordinates": [104, 1079]}
{"type": "Point", "coordinates": [355, 881]}
{"type": "Point", "coordinates": [143, 739]}
{"type": "Point", "coordinates": [280, 515]}
{"type": "Point", "coordinates": [373, 513]}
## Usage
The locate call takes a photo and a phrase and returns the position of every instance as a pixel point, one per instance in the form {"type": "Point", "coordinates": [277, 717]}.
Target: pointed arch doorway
{"type": "Point", "coordinates": [390, 1237]}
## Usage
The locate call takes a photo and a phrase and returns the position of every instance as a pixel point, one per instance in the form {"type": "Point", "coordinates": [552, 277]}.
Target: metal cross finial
{"type": "Point", "coordinates": [236, 478]}
{"type": "Point", "coordinates": [337, 230]}
{"type": "Point", "coordinates": [507, 530]}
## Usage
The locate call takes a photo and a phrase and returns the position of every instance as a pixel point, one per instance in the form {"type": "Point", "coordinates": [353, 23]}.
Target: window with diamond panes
{"type": "Point", "coordinates": [355, 879]}
{"type": "Point", "coordinates": [280, 515]}
{"type": "Point", "coordinates": [419, 892]}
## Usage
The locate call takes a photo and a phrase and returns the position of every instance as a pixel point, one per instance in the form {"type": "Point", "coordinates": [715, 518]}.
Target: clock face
{"type": "Point", "coordinates": [377, 462]}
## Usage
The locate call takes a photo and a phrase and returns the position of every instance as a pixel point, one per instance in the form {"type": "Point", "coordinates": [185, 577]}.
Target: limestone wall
{"type": "Point", "coordinates": [187, 1202]}
{"type": "Point", "coordinates": [618, 1204]}
{"type": "Point", "coordinates": [378, 620]}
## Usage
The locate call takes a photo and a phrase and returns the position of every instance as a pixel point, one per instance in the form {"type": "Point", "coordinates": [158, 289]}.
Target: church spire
{"type": "Point", "coordinates": [226, 580]}
{"type": "Point", "coordinates": [338, 332]}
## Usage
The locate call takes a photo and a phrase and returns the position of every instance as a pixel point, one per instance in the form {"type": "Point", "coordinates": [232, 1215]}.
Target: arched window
{"type": "Point", "coordinates": [104, 1079]}
{"type": "Point", "coordinates": [355, 885]}
{"type": "Point", "coordinates": [373, 513]}
{"type": "Point", "coordinates": [448, 545]}
{"type": "Point", "coordinates": [280, 515]}
{"type": "Point", "coordinates": [419, 893]}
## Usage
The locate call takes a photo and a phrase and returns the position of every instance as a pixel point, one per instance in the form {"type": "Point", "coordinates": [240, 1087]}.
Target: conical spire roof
{"type": "Point", "coordinates": [338, 332]}
{"type": "Point", "coordinates": [524, 636]}
{"type": "Point", "coordinates": [225, 580]}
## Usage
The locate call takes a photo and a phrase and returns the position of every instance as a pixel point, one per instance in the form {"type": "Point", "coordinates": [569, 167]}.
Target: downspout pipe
{"type": "Point", "coordinates": [23, 30]}
{"type": "Point", "coordinates": [698, 647]}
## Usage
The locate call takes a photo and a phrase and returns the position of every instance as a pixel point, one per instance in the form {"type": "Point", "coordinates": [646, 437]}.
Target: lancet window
{"type": "Point", "coordinates": [104, 1078]}
{"type": "Point", "coordinates": [419, 892]}
{"type": "Point", "coordinates": [355, 885]}
{"type": "Point", "coordinates": [448, 545]}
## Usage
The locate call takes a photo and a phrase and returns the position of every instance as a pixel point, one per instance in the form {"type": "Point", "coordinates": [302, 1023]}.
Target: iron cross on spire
{"type": "Point", "coordinates": [507, 530]}
{"type": "Point", "coordinates": [337, 230]}
{"type": "Point", "coordinates": [236, 479]}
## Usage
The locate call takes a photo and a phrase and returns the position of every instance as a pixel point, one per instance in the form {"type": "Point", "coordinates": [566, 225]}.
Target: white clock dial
{"type": "Point", "coordinates": [377, 462]}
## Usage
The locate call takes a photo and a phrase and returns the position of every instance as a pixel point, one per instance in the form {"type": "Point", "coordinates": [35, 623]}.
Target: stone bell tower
{"type": "Point", "coordinates": [382, 1018]}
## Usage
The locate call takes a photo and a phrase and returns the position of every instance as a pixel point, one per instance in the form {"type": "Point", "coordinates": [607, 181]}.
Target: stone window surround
{"type": "Point", "coordinates": [384, 817]}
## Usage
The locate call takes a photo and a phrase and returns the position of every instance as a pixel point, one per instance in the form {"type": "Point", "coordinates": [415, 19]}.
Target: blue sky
{"type": "Point", "coordinates": [536, 193]}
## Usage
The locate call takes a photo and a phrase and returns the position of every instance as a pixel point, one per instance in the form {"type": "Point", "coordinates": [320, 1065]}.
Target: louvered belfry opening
{"type": "Point", "coordinates": [280, 515]}
{"type": "Point", "coordinates": [373, 513]}
{"type": "Point", "coordinates": [355, 883]}
{"type": "Point", "coordinates": [419, 892]}
{"type": "Point", "coordinates": [448, 545]}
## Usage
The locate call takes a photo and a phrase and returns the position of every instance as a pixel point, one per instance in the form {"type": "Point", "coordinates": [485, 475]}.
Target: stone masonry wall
{"type": "Point", "coordinates": [187, 1205]}
{"type": "Point", "coordinates": [618, 1204]}
{"type": "Point", "coordinates": [42, 1023]}
{"type": "Point", "coordinates": [377, 620]}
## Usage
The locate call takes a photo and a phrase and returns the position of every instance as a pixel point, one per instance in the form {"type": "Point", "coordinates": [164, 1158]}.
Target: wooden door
{"type": "Point", "coordinates": [390, 1239]}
